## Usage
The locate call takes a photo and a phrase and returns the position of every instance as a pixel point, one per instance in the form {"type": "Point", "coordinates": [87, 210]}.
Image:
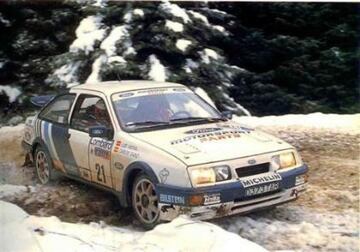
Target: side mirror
{"type": "Point", "coordinates": [227, 114]}
{"type": "Point", "coordinates": [100, 131]}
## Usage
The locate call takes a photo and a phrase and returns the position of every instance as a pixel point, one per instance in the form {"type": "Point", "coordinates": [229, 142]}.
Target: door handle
{"type": "Point", "coordinates": [68, 135]}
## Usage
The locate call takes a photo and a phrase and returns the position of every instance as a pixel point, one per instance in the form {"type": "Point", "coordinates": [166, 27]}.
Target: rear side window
{"type": "Point", "coordinates": [90, 111]}
{"type": "Point", "coordinates": [59, 109]}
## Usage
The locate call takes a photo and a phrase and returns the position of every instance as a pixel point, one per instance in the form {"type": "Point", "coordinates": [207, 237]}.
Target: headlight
{"type": "Point", "coordinates": [283, 160]}
{"type": "Point", "coordinates": [209, 175]}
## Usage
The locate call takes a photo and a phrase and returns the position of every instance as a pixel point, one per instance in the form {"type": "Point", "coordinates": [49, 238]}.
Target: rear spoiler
{"type": "Point", "coordinates": [41, 101]}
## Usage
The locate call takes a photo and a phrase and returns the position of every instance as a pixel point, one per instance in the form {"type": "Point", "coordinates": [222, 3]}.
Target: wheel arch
{"type": "Point", "coordinates": [37, 142]}
{"type": "Point", "coordinates": [131, 172]}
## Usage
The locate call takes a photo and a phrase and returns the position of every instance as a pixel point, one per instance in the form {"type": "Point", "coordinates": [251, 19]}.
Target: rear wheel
{"type": "Point", "coordinates": [145, 201]}
{"type": "Point", "coordinates": [43, 165]}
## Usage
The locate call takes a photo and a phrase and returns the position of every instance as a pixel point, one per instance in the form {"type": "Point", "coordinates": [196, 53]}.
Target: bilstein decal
{"type": "Point", "coordinates": [173, 199]}
{"type": "Point", "coordinates": [212, 136]}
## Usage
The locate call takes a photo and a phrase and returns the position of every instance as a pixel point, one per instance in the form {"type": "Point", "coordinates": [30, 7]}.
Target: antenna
{"type": "Point", "coordinates": [118, 76]}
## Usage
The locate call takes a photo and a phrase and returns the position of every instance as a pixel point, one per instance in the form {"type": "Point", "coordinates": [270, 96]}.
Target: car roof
{"type": "Point", "coordinates": [110, 87]}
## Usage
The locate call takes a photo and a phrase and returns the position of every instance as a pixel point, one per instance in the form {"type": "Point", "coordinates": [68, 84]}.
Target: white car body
{"type": "Point", "coordinates": [168, 155]}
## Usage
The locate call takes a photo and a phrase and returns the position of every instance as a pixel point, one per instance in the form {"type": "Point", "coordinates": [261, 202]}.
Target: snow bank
{"type": "Point", "coordinates": [182, 44]}
{"type": "Point", "coordinates": [12, 130]}
{"type": "Point", "coordinates": [50, 234]}
{"type": "Point", "coordinates": [157, 70]}
{"type": "Point", "coordinates": [87, 33]}
{"type": "Point", "coordinates": [12, 190]}
{"type": "Point", "coordinates": [174, 26]}
{"type": "Point", "coordinates": [347, 124]}
{"type": "Point", "coordinates": [295, 228]}
{"type": "Point", "coordinates": [11, 92]}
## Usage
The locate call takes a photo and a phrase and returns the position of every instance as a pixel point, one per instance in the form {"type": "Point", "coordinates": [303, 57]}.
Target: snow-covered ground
{"type": "Point", "coordinates": [50, 234]}
{"type": "Point", "coordinates": [346, 124]}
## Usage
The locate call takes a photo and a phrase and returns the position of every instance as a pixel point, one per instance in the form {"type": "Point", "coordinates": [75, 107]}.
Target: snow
{"type": "Point", "coordinates": [117, 34]}
{"type": "Point", "coordinates": [50, 234]}
{"type": "Point", "coordinates": [117, 59]}
{"type": "Point", "coordinates": [199, 16]}
{"type": "Point", "coordinates": [157, 70]}
{"type": "Point", "coordinates": [138, 12]}
{"type": "Point", "coordinates": [11, 190]}
{"type": "Point", "coordinates": [238, 106]}
{"type": "Point", "coordinates": [201, 92]}
{"type": "Point", "coordinates": [95, 74]}
{"type": "Point", "coordinates": [87, 33]}
{"type": "Point", "coordinates": [174, 26]}
{"type": "Point", "coordinates": [182, 44]}
{"type": "Point", "coordinates": [4, 21]}
{"type": "Point", "coordinates": [67, 73]}
{"type": "Point", "coordinates": [128, 17]}
{"type": "Point", "coordinates": [219, 28]}
{"type": "Point", "coordinates": [208, 54]}
{"type": "Point", "coordinates": [100, 3]}
{"type": "Point", "coordinates": [175, 10]}
{"type": "Point", "coordinates": [11, 92]}
{"type": "Point", "coordinates": [189, 65]}
{"type": "Point", "coordinates": [297, 228]}
{"type": "Point", "coordinates": [348, 124]}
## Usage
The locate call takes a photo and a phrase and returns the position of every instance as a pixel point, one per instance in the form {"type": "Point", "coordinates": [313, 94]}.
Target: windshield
{"type": "Point", "coordinates": [161, 107]}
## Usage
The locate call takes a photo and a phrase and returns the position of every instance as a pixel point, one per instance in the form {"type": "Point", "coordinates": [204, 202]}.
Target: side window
{"type": "Point", "coordinates": [90, 111]}
{"type": "Point", "coordinates": [58, 110]}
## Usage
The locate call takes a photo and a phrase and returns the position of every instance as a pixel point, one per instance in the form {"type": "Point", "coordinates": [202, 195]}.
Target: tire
{"type": "Point", "coordinates": [43, 166]}
{"type": "Point", "coordinates": [145, 202]}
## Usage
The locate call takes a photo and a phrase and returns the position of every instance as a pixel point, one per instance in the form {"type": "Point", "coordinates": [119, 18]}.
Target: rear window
{"type": "Point", "coordinates": [59, 109]}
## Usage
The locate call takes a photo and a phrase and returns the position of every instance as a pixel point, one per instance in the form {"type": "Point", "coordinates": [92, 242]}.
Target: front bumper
{"type": "Point", "coordinates": [174, 201]}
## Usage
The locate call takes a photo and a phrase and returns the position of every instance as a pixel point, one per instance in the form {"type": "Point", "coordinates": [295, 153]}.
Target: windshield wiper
{"type": "Point", "coordinates": [196, 119]}
{"type": "Point", "coordinates": [146, 123]}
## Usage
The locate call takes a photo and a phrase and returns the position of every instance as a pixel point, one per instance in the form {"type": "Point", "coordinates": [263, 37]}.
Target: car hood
{"type": "Point", "coordinates": [212, 142]}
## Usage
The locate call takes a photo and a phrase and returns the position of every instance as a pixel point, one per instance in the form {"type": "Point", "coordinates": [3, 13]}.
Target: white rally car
{"type": "Point", "coordinates": [161, 149]}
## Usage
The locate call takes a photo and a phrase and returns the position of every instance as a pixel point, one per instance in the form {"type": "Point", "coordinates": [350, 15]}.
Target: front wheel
{"type": "Point", "coordinates": [145, 201]}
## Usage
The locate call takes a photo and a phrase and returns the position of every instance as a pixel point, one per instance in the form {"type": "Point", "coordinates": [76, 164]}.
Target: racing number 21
{"type": "Point", "coordinates": [100, 173]}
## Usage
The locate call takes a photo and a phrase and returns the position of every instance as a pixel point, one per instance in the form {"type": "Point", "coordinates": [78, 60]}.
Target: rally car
{"type": "Point", "coordinates": [161, 149]}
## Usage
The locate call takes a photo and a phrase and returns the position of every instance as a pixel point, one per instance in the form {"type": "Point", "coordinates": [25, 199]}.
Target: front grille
{"type": "Point", "coordinates": [252, 170]}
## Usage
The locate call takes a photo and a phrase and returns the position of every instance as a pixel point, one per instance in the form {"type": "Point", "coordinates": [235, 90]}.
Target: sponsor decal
{"type": "Point", "coordinates": [153, 91]}
{"type": "Point", "coordinates": [163, 174]}
{"type": "Point", "coordinates": [107, 145]}
{"type": "Point", "coordinates": [126, 95]}
{"type": "Point", "coordinates": [211, 136]}
{"type": "Point", "coordinates": [179, 89]}
{"type": "Point", "coordinates": [117, 146]}
{"type": "Point", "coordinates": [204, 130]}
{"type": "Point", "coordinates": [234, 126]}
{"type": "Point", "coordinates": [212, 198]}
{"type": "Point", "coordinates": [252, 181]}
{"type": "Point", "coordinates": [118, 165]}
{"type": "Point", "coordinates": [173, 199]}
{"type": "Point", "coordinates": [129, 150]}
{"type": "Point", "coordinates": [99, 152]}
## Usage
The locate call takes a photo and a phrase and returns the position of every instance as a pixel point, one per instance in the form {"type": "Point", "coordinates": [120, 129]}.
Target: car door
{"type": "Point", "coordinates": [52, 127]}
{"type": "Point", "coordinates": [92, 155]}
